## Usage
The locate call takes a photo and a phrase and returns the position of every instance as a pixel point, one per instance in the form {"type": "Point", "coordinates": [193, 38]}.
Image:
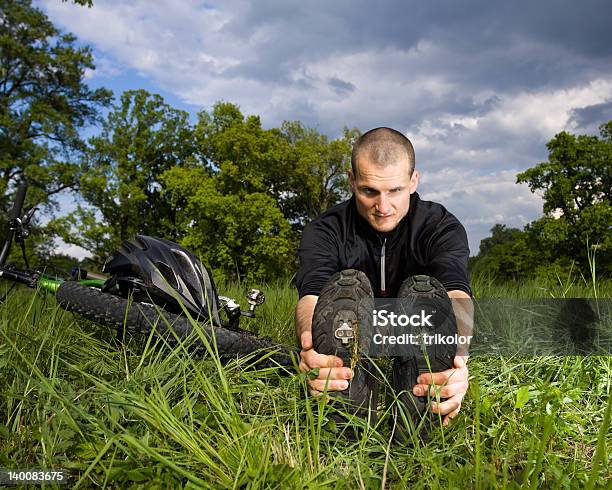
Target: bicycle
{"type": "Point", "coordinates": [126, 301]}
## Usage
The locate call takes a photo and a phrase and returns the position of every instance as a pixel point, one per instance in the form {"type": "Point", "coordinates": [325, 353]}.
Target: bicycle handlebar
{"type": "Point", "coordinates": [14, 213]}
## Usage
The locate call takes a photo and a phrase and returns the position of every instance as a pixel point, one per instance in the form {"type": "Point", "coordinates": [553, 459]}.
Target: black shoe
{"type": "Point", "coordinates": [336, 329]}
{"type": "Point", "coordinates": [422, 292]}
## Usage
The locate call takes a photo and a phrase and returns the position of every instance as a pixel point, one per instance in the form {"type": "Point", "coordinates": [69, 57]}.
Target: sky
{"type": "Point", "coordinates": [479, 87]}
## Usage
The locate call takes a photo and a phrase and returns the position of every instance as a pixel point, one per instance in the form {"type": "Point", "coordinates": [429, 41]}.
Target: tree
{"type": "Point", "coordinates": [301, 169]}
{"type": "Point", "coordinates": [87, 3]}
{"type": "Point", "coordinates": [237, 210]}
{"type": "Point", "coordinates": [499, 234]}
{"type": "Point", "coordinates": [317, 171]}
{"type": "Point", "coordinates": [241, 234]}
{"type": "Point", "coordinates": [576, 185]}
{"type": "Point", "coordinates": [246, 157]}
{"type": "Point", "coordinates": [577, 174]}
{"type": "Point", "coordinates": [44, 102]}
{"type": "Point", "coordinates": [141, 138]}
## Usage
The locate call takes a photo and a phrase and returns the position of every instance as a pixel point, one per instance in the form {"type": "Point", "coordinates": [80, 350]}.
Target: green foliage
{"type": "Point", "coordinates": [317, 171]}
{"type": "Point", "coordinates": [227, 189]}
{"type": "Point", "coordinates": [141, 138]}
{"type": "Point", "coordinates": [246, 157]}
{"type": "Point", "coordinates": [86, 3]}
{"type": "Point", "coordinates": [43, 103]}
{"type": "Point", "coordinates": [139, 414]}
{"type": "Point", "coordinates": [301, 169]}
{"type": "Point", "coordinates": [576, 186]}
{"type": "Point", "coordinates": [499, 235]}
{"type": "Point", "coordinates": [59, 265]}
{"type": "Point", "coordinates": [237, 234]}
{"type": "Point", "coordinates": [242, 211]}
{"type": "Point", "coordinates": [576, 183]}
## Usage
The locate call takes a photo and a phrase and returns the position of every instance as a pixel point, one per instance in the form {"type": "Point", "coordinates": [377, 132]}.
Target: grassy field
{"type": "Point", "coordinates": [144, 415]}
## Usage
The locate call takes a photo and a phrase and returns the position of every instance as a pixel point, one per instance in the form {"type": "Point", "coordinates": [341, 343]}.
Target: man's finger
{"type": "Point", "coordinates": [446, 391]}
{"type": "Point", "coordinates": [446, 407]}
{"type": "Point", "coordinates": [314, 359]}
{"type": "Point", "coordinates": [444, 377]}
{"type": "Point", "coordinates": [325, 373]}
{"type": "Point", "coordinates": [450, 416]}
{"type": "Point", "coordinates": [306, 340]}
{"type": "Point", "coordinates": [335, 373]}
{"type": "Point", "coordinates": [305, 367]}
{"type": "Point", "coordinates": [460, 361]}
{"type": "Point", "coordinates": [329, 384]}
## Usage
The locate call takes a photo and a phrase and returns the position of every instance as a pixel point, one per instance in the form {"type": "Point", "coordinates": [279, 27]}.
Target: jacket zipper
{"type": "Point", "coordinates": [383, 281]}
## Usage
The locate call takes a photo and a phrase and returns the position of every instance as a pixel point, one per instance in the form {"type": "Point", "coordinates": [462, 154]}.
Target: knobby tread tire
{"type": "Point", "coordinates": [141, 318]}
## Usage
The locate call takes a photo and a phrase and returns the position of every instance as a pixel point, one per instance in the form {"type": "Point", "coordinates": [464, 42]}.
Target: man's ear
{"type": "Point", "coordinates": [414, 181]}
{"type": "Point", "coordinates": [351, 177]}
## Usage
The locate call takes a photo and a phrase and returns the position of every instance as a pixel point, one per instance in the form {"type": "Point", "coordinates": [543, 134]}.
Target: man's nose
{"type": "Point", "coordinates": [383, 205]}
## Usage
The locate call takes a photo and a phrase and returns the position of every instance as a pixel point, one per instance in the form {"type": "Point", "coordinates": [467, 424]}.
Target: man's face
{"type": "Point", "coordinates": [383, 193]}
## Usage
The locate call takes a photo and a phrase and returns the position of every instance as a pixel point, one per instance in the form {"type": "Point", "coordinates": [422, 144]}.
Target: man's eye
{"type": "Point", "coordinates": [369, 192]}
{"type": "Point", "coordinates": [397, 189]}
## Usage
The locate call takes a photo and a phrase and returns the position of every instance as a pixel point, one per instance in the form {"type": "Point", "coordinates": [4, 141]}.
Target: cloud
{"type": "Point", "coordinates": [71, 250]}
{"type": "Point", "coordinates": [481, 201]}
{"type": "Point", "coordinates": [478, 86]}
{"type": "Point", "coordinates": [340, 86]}
{"type": "Point", "coordinates": [589, 117]}
{"type": "Point", "coordinates": [106, 68]}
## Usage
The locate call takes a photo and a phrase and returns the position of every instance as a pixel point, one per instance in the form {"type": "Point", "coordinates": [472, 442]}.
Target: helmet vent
{"type": "Point", "coordinates": [187, 269]}
{"type": "Point", "coordinates": [168, 274]}
{"type": "Point", "coordinates": [139, 242]}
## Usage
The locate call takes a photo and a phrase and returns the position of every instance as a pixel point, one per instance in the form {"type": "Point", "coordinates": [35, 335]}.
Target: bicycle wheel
{"type": "Point", "coordinates": [141, 318]}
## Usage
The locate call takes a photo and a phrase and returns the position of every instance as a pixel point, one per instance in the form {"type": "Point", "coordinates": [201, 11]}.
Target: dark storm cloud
{"type": "Point", "coordinates": [501, 45]}
{"type": "Point", "coordinates": [340, 86]}
{"type": "Point", "coordinates": [592, 115]}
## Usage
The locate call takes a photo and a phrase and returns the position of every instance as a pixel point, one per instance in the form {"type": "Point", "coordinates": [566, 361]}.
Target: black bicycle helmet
{"type": "Point", "coordinates": [155, 269]}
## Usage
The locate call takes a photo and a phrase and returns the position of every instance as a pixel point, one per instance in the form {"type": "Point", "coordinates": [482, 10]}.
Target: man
{"type": "Point", "coordinates": [388, 234]}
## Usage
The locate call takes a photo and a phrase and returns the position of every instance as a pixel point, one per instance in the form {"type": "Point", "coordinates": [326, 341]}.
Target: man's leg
{"type": "Point", "coordinates": [433, 355]}
{"type": "Point", "coordinates": [336, 330]}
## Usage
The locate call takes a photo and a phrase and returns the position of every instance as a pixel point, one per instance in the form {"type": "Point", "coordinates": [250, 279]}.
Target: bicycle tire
{"type": "Point", "coordinates": [142, 318]}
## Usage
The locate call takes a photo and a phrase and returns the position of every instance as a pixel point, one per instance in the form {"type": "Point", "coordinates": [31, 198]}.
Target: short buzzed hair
{"type": "Point", "coordinates": [382, 146]}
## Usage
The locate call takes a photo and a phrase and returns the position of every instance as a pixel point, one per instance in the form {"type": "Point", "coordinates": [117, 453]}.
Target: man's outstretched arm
{"type": "Point", "coordinates": [452, 383]}
{"type": "Point", "coordinates": [331, 371]}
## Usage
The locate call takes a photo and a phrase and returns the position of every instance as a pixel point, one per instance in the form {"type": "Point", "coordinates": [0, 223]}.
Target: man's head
{"type": "Point", "coordinates": [383, 177]}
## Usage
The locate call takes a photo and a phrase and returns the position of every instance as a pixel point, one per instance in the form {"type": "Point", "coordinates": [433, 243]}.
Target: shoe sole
{"type": "Point", "coordinates": [439, 358]}
{"type": "Point", "coordinates": [336, 330]}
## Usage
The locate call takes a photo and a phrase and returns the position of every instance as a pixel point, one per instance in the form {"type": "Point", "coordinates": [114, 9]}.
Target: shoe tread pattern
{"type": "Point", "coordinates": [345, 296]}
{"type": "Point", "coordinates": [407, 370]}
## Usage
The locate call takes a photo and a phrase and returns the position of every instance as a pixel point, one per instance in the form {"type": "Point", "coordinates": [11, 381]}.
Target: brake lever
{"type": "Point", "coordinates": [25, 221]}
{"type": "Point", "coordinates": [22, 228]}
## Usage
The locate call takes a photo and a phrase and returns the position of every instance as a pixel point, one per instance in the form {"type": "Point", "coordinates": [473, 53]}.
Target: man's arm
{"type": "Point", "coordinates": [331, 372]}
{"type": "Point", "coordinates": [452, 383]}
{"type": "Point", "coordinates": [464, 313]}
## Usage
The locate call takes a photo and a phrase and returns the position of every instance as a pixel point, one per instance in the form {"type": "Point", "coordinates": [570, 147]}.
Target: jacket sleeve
{"type": "Point", "coordinates": [318, 255]}
{"type": "Point", "coordinates": [448, 254]}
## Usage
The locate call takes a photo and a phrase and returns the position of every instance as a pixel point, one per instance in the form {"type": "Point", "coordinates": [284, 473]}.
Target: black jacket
{"type": "Point", "coordinates": [428, 240]}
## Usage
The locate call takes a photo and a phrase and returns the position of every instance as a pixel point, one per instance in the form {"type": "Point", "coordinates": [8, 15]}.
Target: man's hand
{"type": "Point", "coordinates": [331, 372]}
{"type": "Point", "coordinates": [453, 385]}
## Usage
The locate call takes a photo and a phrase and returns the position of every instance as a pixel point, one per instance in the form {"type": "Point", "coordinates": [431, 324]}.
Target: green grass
{"type": "Point", "coordinates": [144, 415]}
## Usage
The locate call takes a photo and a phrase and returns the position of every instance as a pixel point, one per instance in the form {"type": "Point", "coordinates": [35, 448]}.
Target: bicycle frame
{"type": "Point", "coordinates": [90, 298]}
{"type": "Point", "coordinates": [18, 230]}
